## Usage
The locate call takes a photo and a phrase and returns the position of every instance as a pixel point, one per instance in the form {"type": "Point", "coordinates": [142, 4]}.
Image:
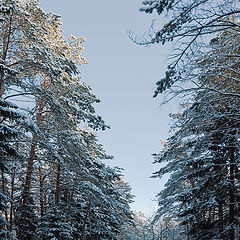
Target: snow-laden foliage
{"type": "Point", "coordinates": [54, 182]}
{"type": "Point", "coordinates": [202, 156]}
{"type": "Point", "coordinates": [189, 24]}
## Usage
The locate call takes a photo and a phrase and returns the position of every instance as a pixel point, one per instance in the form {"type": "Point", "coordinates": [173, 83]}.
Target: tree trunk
{"type": "Point", "coordinates": [85, 220]}
{"type": "Point", "coordinates": [32, 157]}
{"type": "Point", "coordinates": [57, 192]}
{"type": "Point", "coordinates": [41, 192]}
{"type": "Point", "coordinates": [71, 200]}
{"type": "Point", "coordinates": [188, 235]}
{"type": "Point", "coordinates": [4, 192]}
{"type": "Point", "coordinates": [6, 41]}
{"type": "Point", "coordinates": [220, 209]}
{"type": "Point", "coordinates": [11, 205]}
{"type": "Point", "coordinates": [231, 195]}
{"type": "Point", "coordinates": [33, 148]}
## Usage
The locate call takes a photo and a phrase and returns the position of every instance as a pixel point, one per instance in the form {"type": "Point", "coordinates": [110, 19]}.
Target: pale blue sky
{"type": "Point", "coordinates": [123, 75]}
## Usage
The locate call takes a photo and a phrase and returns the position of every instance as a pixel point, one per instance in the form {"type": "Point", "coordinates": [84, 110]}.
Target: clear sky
{"type": "Point", "coordinates": [122, 75]}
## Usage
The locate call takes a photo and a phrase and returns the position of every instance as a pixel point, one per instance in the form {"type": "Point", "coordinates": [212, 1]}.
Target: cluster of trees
{"type": "Point", "coordinates": [54, 183]}
{"type": "Point", "coordinates": [149, 228]}
{"type": "Point", "coordinates": [203, 154]}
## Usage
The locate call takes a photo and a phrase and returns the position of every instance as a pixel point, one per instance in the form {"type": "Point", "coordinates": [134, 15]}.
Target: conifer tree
{"type": "Point", "coordinates": [61, 186]}
{"type": "Point", "coordinates": [188, 24]}
{"type": "Point", "coordinates": [203, 154]}
{"type": "Point", "coordinates": [53, 226]}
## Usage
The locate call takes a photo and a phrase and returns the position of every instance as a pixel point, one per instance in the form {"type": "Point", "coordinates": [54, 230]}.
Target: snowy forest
{"type": "Point", "coordinates": [55, 181]}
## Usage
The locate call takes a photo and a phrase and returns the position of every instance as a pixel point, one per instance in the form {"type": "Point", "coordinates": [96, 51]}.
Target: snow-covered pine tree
{"type": "Point", "coordinates": [26, 220]}
{"type": "Point", "coordinates": [63, 172]}
{"type": "Point", "coordinates": [43, 66]}
{"type": "Point", "coordinates": [202, 156]}
{"type": "Point", "coordinates": [8, 133]}
{"type": "Point", "coordinates": [13, 124]}
{"type": "Point", "coordinates": [126, 198]}
{"type": "Point", "coordinates": [19, 38]}
{"type": "Point", "coordinates": [53, 226]}
{"type": "Point", "coordinates": [109, 206]}
{"type": "Point", "coordinates": [187, 21]}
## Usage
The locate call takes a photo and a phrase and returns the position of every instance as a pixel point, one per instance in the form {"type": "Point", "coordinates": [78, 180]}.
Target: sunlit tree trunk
{"type": "Point", "coordinates": [6, 41]}
{"type": "Point", "coordinates": [33, 150]}
{"type": "Point", "coordinates": [32, 157]}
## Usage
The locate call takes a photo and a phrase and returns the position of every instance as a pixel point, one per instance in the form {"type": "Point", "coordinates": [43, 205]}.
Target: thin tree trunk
{"type": "Point", "coordinates": [6, 41]}
{"type": "Point", "coordinates": [85, 221]}
{"type": "Point", "coordinates": [11, 205]}
{"type": "Point", "coordinates": [45, 202]}
{"type": "Point", "coordinates": [188, 235]}
{"type": "Point", "coordinates": [220, 209]}
{"type": "Point", "coordinates": [58, 178]}
{"type": "Point", "coordinates": [71, 200]}
{"type": "Point", "coordinates": [231, 195]}
{"type": "Point", "coordinates": [32, 157]}
{"type": "Point", "coordinates": [41, 192]}
{"type": "Point", "coordinates": [4, 192]}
